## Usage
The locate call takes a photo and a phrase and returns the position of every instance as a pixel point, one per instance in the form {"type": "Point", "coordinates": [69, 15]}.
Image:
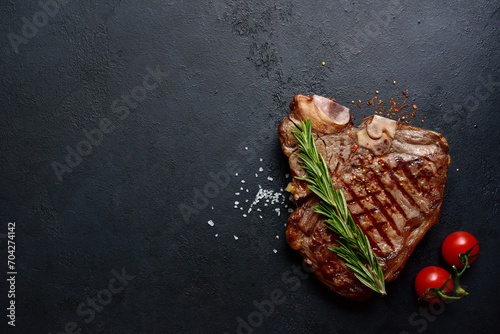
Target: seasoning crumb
{"type": "Point", "coordinates": [323, 63]}
{"type": "Point", "coordinates": [394, 82]}
{"type": "Point", "coordinates": [457, 169]}
{"type": "Point", "coordinates": [376, 92]}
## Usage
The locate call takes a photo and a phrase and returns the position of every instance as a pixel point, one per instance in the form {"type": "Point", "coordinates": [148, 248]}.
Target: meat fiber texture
{"type": "Point", "coordinates": [393, 176]}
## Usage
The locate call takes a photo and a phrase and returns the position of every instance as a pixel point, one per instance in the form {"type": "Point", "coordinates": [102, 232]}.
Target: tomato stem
{"type": "Point", "coordinates": [461, 293]}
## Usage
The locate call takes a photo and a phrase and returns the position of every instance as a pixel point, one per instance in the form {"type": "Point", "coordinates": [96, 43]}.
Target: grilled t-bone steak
{"type": "Point", "coordinates": [393, 176]}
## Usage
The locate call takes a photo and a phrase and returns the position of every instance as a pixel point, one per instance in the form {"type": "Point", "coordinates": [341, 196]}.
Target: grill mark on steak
{"type": "Point", "coordinates": [408, 193]}
{"type": "Point", "coordinates": [394, 187]}
{"type": "Point", "coordinates": [409, 175]}
{"type": "Point", "coordinates": [369, 230]}
{"type": "Point", "coordinates": [391, 198]}
{"type": "Point", "coordinates": [382, 209]}
{"type": "Point", "coordinates": [370, 216]}
{"type": "Point", "coordinates": [394, 214]}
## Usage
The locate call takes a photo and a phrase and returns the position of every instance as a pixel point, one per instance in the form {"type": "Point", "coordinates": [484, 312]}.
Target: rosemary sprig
{"type": "Point", "coordinates": [354, 246]}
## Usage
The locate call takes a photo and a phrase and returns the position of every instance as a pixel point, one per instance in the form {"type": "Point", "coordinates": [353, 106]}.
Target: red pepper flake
{"type": "Point", "coordinates": [355, 148]}
{"type": "Point", "coordinates": [396, 109]}
{"type": "Point", "coordinates": [414, 106]}
{"type": "Point", "coordinates": [350, 133]}
{"type": "Point", "coordinates": [359, 105]}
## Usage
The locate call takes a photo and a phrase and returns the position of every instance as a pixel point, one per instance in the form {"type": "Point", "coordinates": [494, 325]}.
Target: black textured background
{"type": "Point", "coordinates": [230, 69]}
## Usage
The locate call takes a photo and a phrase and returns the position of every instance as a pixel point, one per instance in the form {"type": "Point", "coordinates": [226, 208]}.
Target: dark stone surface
{"type": "Point", "coordinates": [228, 70]}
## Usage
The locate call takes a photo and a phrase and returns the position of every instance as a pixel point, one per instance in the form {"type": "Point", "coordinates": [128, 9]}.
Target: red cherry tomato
{"type": "Point", "coordinates": [432, 277]}
{"type": "Point", "coordinates": [456, 243]}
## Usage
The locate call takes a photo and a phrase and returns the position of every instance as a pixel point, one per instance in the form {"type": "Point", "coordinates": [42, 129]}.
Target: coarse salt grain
{"type": "Point", "coordinates": [211, 223]}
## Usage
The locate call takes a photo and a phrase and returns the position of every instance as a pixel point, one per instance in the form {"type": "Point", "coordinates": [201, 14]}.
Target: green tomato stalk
{"type": "Point", "coordinates": [460, 292]}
